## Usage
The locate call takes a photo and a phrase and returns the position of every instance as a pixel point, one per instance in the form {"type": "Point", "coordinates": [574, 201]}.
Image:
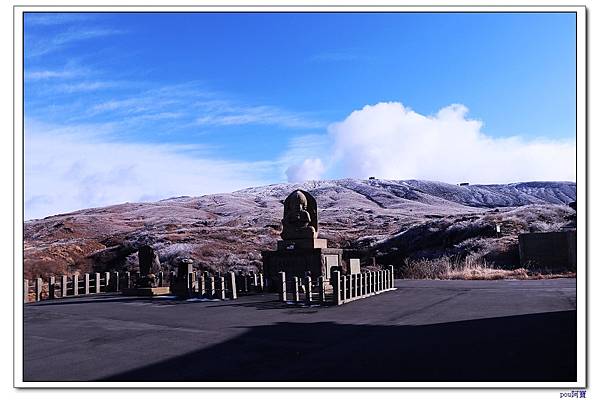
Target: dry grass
{"type": "Point", "coordinates": [469, 268]}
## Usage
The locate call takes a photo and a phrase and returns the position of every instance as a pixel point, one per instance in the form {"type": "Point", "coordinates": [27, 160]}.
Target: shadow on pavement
{"type": "Point", "coordinates": [527, 348]}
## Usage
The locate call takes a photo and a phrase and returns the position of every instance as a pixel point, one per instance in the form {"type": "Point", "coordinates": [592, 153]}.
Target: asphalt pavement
{"type": "Point", "coordinates": [425, 331]}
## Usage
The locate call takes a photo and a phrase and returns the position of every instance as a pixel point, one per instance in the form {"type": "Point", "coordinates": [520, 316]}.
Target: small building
{"type": "Point", "coordinates": [463, 184]}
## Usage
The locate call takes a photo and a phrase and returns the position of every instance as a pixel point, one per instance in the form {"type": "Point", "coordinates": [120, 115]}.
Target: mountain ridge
{"type": "Point", "coordinates": [226, 230]}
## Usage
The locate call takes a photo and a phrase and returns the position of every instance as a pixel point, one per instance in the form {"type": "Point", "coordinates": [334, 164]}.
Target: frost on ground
{"type": "Point", "coordinates": [390, 220]}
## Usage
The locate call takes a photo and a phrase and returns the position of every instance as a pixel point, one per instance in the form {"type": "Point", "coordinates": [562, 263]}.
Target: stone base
{"type": "Point", "coordinates": [296, 244]}
{"type": "Point", "coordinates": [155, 291]}
{"type": "Point", "coordinates": [319, 261]}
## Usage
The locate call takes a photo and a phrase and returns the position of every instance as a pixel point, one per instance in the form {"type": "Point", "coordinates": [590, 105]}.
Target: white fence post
{"type": "Point", "coordinates": [128, 280]}
{"type": "Point", "coordinates": [282, 288]}
{"type": "Point", "coordinates": [350, 286]}
{"type": "Point", "coordinates": [296, 288]}
{"type": "Point", "coordinates": [63, 286]}
{"type": "Point", "coordinates": [211, 286]}
{"type": "Point", "coordinates": [86, 284]}
{"type": "Point", "coordinates": [322, 289]}
{"type": "Point", "coordinates": [76, 285]}
{"type": "Point", "coordinates": [201, 284]}
{"type": "Point", "coordinates": [106, 281]}
{"type": "Point", "coordinates": [255, 281]}
{"type": "Point", "coordinates": [117, 279]}
{"type": "Point", "coordinates": [335, 281]}
{"type": "Point", "coordinates": [38, 289]}
{"type": "Point", "coordinates": [26, 291]}
{"type": "Point", "coordinates": [308, 293]}
{"type": "Point", "coordinates": [97, 282]}
{"type": "Point", "coordinates": [51, 283]}
{"type": "Point", "coordinates": [222, 287]}
{"type": "Point", "coordinates": [232, 285]}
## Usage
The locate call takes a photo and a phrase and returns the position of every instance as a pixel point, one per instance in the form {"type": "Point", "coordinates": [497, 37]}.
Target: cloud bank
{"type": "Point", "coordinates": [391, 141]}
{"type": "Point", "coordinates": [309, 169]}
{"type": "Point", "coordinates": [68, 169]}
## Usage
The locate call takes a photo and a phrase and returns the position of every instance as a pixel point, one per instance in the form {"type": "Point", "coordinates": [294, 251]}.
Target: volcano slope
{"type": "Point", "coordinates": [389, 220]}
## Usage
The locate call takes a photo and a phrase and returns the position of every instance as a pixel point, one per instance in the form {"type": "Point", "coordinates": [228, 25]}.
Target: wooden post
{"type": "Point", "coordinates": [296, 289]}
{"type": "Point", "coordinates": [63, 286]}
{"type": "Point", "coordinates": [359, 285]}
{"type": "Point", "coordinates": [222, 287]}
{"type": "Point", "coordinates": [344, 294]}
{"type": "Point", "coordinates": [51, 283]}
{"type": "Point", "coordinates": [335, 281]}
{"type": "Point", "coordinates": [97, 282]}
{"type": "Point", "coordinates": [76, 285]}
{"type": "Point", "coordinates": [25, 291]}
{"type": "Point", "coordinates": [261, 282]}
{"type": "Point", "coordinates": [38, 289]}
{"type": "Point", "coordinates": [308, 293]}
{"type": "Point", "coordinates": [392, 281]}
{"type": "Point", "coordinates": [322, 289]}
{"type": "Point", "coordinates": [282, 290]}
{"type": "Point", "coordinates": [232, 286]}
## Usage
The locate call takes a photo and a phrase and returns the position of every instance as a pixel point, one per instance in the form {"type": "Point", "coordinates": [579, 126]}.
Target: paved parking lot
{"type": "Point", "coordinates": [426, 331]}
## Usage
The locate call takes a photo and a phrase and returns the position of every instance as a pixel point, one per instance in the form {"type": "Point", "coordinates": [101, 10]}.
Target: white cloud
{"type": "Point", "coordinates": [388, 140]}
{"type": "Point", "coordinates": [229, 114]}
{"type": "Point", "coordinates": [309, 169]}
{"type": "Point", "coordinates": [49, 19]}
{"type": "Point", "coordinates": [87, 86]}
{"type": "Point", "coordinates": [68, 169]}
{"type": "Point", "coordinates": [38, 44]}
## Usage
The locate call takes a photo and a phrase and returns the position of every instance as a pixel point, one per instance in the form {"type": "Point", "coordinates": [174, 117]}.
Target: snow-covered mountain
{"type": "Point", "coordinates": [221, 231]}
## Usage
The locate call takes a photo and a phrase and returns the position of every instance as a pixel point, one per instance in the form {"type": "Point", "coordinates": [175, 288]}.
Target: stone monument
{"type": "Point", "coordinates": [300, 250]}
{"type": "Point", "coordinates": [183, 285]}
{"type": "Point", "coordinates": [146, 284]}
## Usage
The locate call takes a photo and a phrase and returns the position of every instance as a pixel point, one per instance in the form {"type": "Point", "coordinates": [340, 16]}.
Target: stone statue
{"type": "Point", "coordinates": [299, 216]}
{"type": "Point", "coordinates": [149, 266]}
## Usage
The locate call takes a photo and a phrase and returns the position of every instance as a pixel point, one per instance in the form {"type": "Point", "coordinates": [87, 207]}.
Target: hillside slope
{"type": "Point", "coordinates": [384, 218]}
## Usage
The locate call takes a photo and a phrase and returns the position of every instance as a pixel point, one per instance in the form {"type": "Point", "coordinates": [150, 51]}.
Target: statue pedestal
{"type": "Point", "coordinates": [296, 244]}
{"type": "Point", "coordinates": [319, 261]}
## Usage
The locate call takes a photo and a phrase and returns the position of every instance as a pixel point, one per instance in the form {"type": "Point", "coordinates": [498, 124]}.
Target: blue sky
{"type": "Point", "coordinates": [117, 104]}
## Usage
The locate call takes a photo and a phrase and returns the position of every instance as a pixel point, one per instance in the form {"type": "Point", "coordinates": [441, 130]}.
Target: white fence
{"type": "Point", "coordinates": [340, 289]}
